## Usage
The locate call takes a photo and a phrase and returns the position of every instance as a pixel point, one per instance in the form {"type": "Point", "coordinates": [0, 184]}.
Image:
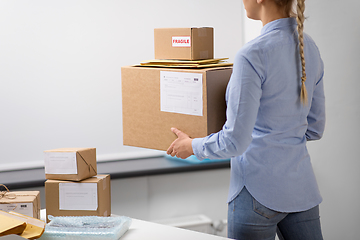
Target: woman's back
{"type": "Point", "coordinates": [276, 165]}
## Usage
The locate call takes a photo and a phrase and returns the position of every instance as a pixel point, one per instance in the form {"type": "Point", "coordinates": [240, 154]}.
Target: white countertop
{"type": "Point", "coordinates": [140, 229]}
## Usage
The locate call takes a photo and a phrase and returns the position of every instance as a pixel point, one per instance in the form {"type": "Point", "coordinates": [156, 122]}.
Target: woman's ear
{"type": "Point", "coordinates": [260, 1]}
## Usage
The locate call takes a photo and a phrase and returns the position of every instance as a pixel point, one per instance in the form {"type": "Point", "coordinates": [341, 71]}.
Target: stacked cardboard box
{"type": "Point", "coordinates": [184, 43]}
{"type": "Point", "coordinates": [23, 202]}
{"type": "Point", "coordinates": [73, 164]}
{"type": "Point", "coordinates": [73, 187]}
{"type": "Point", "coordinates": [184, 88]}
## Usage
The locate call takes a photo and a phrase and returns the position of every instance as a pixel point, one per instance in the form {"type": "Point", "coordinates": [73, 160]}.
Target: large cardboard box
{"type": "Point", "coordinates": [73, 164]}
{"type": "Point", "coordinates": [24, 202]}
{"type": "Point", "coordinates": [90, 197]}
{"type": "Point", "coordinates": [156, 99]}
{"type": "Point", "coordinates": [184, 43]}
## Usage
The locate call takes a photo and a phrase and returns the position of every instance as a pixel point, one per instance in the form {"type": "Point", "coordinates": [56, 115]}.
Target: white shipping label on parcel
{"type": "Point", "coordinates": [22, 208]}
{"type": "Point", "coordinates": [181, 93]}
{"type": "Point", "coordinates": [78, 196]}
{"type": "Point", "coordinates": [60, 162]}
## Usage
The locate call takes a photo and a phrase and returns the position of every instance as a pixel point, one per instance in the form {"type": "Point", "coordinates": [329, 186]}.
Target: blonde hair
{"type": "Point", "coordinates": [287, 5]}
{"type": "Point", "coordinates": [300, 27]}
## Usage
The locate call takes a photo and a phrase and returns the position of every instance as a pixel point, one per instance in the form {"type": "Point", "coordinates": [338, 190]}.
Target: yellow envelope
{"type": "Point", "coordinates": [168, 63]}
{"type": "Point", "coordinates": [178, 62]}
{"type": "Point", "coordinates": [10, 225]}
{"type": "Point", "coordinates": [34, 227]}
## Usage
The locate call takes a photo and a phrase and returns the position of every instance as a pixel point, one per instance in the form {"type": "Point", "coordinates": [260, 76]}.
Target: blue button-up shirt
{"type": "Point", "coordinates": [267, 127]}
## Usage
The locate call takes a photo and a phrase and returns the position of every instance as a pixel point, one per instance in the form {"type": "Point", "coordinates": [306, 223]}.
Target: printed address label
{"type": "Point", "coordinates": [60, 162]}
{"type": "Point", "coordinates": [181, 92]}
{"type": "Point", "coordinates": [78, 196]}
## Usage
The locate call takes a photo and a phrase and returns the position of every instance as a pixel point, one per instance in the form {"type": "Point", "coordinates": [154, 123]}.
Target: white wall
{"type": "Point", "coordinates": [172, 195]}
{"type": "Point", "coordinates": [336, 29]}
{"type": "Point", "coordinates": [60, 68]}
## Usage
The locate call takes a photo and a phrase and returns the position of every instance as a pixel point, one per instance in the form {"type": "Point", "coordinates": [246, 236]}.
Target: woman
{"type": "Point", "coordinates": [274, 106]}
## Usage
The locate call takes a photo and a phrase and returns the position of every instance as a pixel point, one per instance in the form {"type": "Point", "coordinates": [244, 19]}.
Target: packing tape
{"type": "Point", "coordinates": [89, 165]}
{"type": "Point", "coordinates": [202, 32]}
{"type": "Point", "coordinates": [204, 54]}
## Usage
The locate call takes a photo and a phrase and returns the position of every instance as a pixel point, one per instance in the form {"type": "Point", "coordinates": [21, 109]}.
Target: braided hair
{"type": "Point", "coordinates": [287, 6]}
{"type": "Point", "coordinates": [300, 20]}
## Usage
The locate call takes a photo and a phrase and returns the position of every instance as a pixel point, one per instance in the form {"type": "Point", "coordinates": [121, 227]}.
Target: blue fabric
{"type": "Point", "coordinates": [250, 220]}
{"type": "Point", "coordinates": [267, 127]}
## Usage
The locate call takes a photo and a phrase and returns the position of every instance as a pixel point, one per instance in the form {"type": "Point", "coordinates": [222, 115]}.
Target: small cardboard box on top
{"type": "Point", "coordinates": [156, 99]}
{"type": "Point", "coordinates": [23, 202]}
{"type": "Point", "coordinates": [184, 43]}
{"type": "Point", "coordinates": [90, 197]}
{"type": "Point", "coordinates": [73, 164]}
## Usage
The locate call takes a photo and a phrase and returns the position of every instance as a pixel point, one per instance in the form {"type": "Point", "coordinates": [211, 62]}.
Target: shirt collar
{"type": "Point", "coordinates": [278, 23]}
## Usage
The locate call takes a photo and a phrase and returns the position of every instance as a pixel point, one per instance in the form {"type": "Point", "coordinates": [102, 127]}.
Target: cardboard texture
{"type": "Point", "coordinates": [85, 164]}
{"type": "Point", "coordinates": [146, 126]}
{"type": "Point", "coordinates": [24, 202]}
{"type": "Point", "coordinates": [55, 196]}
{"type": "Point", "coordinates": [10, 224]}
{"type": "Point", "coordinates": [184, 43]}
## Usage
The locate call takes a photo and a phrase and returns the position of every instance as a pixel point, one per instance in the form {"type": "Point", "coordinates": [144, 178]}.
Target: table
{"type": "Point", "coordinates": [140, 229]}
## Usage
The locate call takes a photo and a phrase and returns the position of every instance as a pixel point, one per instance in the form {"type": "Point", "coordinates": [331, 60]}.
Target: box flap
{"type": "Point", "coordinates": [88, 157]}
{"type": "Point", "coordinates": [96, 178]}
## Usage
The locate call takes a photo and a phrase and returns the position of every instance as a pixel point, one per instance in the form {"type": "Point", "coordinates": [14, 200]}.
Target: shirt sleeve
{"type": "Point", "coordinates": [243, 100]}
{"type": "Point", "coordinates": [316, 116]}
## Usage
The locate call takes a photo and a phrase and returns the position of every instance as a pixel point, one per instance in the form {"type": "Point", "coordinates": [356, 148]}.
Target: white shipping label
{"type": "Point", "coordinates": [78, 196]}
{"type": "Point", "coordinates": [181, 41]}
{"type": "Point", "coordinates": [22, 208]}
{"type": "Point", "coordinates": [181, 93]}
{"type": "Point", "coordinates": [60, 162]}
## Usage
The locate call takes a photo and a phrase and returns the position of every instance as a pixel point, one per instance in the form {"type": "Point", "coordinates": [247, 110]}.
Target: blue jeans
{"type": "Point", "coordinates": [250, 220]}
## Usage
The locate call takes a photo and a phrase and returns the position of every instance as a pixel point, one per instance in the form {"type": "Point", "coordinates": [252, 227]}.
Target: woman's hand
{"type": "Point", "coordinates": [181, 147]}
